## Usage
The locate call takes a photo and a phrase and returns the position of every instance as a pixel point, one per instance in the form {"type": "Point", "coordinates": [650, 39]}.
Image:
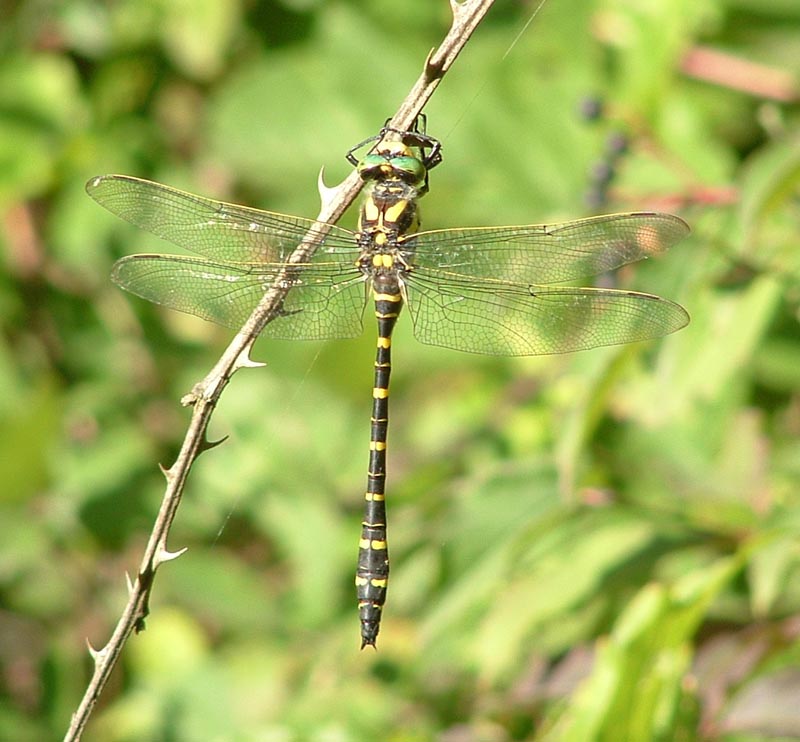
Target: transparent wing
{"type": "Point", "coordinates": [214, 229]}
{"type": "Point", "coordinates": [543, 254]}
{"type": "Point", "coordinates": [324, 302]}
{"type": "Point", "coordinates": [517, 319]}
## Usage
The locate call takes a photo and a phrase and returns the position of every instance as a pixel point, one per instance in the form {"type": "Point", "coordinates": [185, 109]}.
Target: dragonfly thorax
{"type": "Point", "coordinates": [389, 215]}
{"type": "Point", "coordinates": [389, 212]}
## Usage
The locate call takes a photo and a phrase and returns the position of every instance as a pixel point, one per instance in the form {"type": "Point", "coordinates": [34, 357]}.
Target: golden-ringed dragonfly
{"type": "Point", "coordinates": [478, 289]}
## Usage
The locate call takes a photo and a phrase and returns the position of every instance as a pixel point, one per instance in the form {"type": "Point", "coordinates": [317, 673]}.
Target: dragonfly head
{"type": "Point", "coordinates": [405, 156]}
{"type": "Point", "coordinates": [393, 159]}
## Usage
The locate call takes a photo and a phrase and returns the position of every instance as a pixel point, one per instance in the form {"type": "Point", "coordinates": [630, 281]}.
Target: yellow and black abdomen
{"type": "Point", "coordinates": [373, 555]}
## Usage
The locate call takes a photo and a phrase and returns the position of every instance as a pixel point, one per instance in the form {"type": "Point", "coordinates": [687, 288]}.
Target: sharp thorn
{"type": "Point", "coordinates": [164, 555]}
{"type": "Point", "coordinates": [245, 361]}
{"type": "Point", "coordinates": [207, 445]}
{"type": "Point", "coordinates": [326, 193]}
{"type": "Point", "coordinates": [96, 654]}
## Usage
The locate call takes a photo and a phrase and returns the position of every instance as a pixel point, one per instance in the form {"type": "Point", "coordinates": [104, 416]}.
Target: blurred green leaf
{"type": "Point", "coordinates": [197, 34]}
{"type": "Point", "coordinates": [28, 428]}
{"type": "Point", "coordinates": [771, 564]}
{"type": "Point", "coordinates": [40, 107]}
{"type": "Point", "coordinates": [636, 684]}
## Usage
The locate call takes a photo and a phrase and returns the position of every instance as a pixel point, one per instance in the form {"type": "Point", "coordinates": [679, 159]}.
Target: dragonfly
{"type": "Point", "coordinates": [489, 290]}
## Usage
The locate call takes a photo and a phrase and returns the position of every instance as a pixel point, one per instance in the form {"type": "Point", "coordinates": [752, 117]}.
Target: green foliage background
{"type": "Point", "coordinates": [601, 546]}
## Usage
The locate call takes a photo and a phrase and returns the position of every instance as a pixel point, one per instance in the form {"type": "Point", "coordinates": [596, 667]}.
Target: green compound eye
{"type": "Point", "coordinates": [383, 166]}
{"type": "Point", "coordinates": [408, 167]}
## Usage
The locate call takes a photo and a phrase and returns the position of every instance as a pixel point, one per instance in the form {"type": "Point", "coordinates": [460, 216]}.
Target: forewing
{"type": "Point", "coordinates": [520, 320]}
{"type": "Point", "coordinates": [215, 229]}
{"type": "Point", "coordinates": [543, 254]}
{"type": "Point", "coordinates": [323, 303]}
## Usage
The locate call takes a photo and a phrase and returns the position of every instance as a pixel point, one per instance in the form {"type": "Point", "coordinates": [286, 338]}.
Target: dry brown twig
{"type": "Point", "coordinates": [205, 394]}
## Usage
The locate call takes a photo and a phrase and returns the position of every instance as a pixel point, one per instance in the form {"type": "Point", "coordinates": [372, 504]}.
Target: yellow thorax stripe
{"type": "Point", "coordinates": [395, 211]}
{"type": "Point", "coordinates": [382, 260]}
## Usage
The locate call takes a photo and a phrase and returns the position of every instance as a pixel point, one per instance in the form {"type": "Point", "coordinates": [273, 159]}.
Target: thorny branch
{"type": "Point", "coordinates": [204, 396]}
